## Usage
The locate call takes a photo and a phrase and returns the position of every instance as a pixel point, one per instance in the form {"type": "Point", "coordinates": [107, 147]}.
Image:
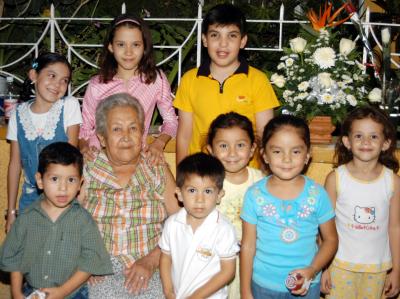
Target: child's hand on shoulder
{"type": "Point", "coordinates": [155, 152]}
{"type": "Point", "coordinates": [307, 275]}
{"type": "Point", "coordinates": [89, 152]}
{"type": "Point", "coordinates": [392, 284]}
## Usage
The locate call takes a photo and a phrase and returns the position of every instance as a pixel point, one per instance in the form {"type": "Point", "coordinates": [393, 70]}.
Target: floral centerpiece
{"type": "Point", "coordinates": [321, 74]}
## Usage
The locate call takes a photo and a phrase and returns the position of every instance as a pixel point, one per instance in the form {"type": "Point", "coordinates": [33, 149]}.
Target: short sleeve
{"type": "Point", "coordinates": [249, 212]}
{"type": "Point", "coordinates": [227, 245]}
{"type": "Point", "coordinates": [164, 242]}
{"type": "Point", "coordinates": [94, 257]}
{"type": "Point", "coordinates": [183, 94]}
{"type": "Point", "coordinates": [324, 210]}
{"type": "Point", "coordinates": [72, 112]}
{"type": "Point", "coordinates": [264, 95]}
{"type": "Point", "coordinates": [12, 250]}
{"type": "Point", "coordinates": [12, 131]}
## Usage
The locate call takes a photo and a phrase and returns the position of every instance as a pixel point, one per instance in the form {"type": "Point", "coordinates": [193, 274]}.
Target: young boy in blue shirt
{"type": "Point", "coordinates": [55, 245]}
{"type": "Point", "coordinates": [223, 83]}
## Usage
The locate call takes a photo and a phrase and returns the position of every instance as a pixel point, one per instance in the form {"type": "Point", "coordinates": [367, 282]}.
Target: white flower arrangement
{"type": "Point", "coordinates": [321, 75]}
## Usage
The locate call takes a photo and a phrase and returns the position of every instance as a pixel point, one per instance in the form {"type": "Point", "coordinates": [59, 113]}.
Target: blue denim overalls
{"type": "Point", "coordinates": [30, 145]}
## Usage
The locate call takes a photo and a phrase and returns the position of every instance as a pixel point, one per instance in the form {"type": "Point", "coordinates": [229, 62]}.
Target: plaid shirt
{"type": "Point", "coordinates": [129, 218]}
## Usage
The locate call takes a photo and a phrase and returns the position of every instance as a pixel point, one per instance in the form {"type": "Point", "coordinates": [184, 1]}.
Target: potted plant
{"type": "Point", "coordinates": [321, 74]}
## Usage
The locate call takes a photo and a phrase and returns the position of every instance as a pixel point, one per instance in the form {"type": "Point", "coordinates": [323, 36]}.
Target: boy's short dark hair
{"type": "Point", "coordinates": [60, 153]}
{"type": "Point", "coordinates": [225, 14]}
{"type": "Point", "coordinates": [202, 165]}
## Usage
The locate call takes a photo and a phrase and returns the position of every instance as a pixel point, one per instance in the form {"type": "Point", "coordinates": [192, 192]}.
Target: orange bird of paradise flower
{"type": "Point", "coordinates": [325, 19]}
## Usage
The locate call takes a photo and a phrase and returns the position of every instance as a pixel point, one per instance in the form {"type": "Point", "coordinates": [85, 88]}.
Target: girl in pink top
{"type": "Point", "coordinates": [128, 65]}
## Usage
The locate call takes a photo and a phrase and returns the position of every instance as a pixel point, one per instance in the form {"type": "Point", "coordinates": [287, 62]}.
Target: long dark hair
{"type": "Point", "coordinates": [42, 61]}
{"type": "Point", "coordinates": [343, 155]}
{"type": "Point", "coordinates": [147, 68]}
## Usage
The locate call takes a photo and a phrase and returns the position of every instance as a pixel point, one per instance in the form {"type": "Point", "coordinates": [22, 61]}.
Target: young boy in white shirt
{"type": "Point", "coordinates": [198, 243]}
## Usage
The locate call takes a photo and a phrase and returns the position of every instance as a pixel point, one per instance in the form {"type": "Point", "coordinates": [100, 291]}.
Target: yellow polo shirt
{"type": "Point", "coordinates": [247, 91]}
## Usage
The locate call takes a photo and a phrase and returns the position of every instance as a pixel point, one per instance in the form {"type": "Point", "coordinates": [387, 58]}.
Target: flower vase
{"type": "Point", "coordinates": [321, 128]}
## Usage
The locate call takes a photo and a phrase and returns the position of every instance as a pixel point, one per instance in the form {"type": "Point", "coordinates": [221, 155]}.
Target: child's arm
{"type": "Point", "coordinates": [184, 135]}
{"type": "Point", "coordinates": [324, 255]}
{"type": "Point", "coordinates": [165, 273]}
{"type": "Point", "coordinates": [16, 285]}
{"type": "Point", "coordinates": [247, 252]}
{"type": "Point", "coordinates": [13, 177]}
{"type": "Point", "coordinates": [72, 119]}
{"type": "Point", "coordinates": [392, 284]}
{"type": "Point", "coordinates": [262, 118]}
{"type": "Point", "coordinates": [155, 149]}
{"type": "Point", "coordinates": [73, 283]}
{"type": "Point", "coordinates": [170, 200]}
{"type": "Point", "coordinates": [170, 123]}
{"type": "Point", "coordinates": [330, 186]}
{"type": "Point", "coordinates": [87, 129]}
{"type": "Point", "coordinates": [218, 281]}
{"type": "Point", "coordinates": [73, 133]}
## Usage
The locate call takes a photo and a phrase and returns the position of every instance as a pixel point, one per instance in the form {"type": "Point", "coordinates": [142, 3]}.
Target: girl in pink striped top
{"type": "Point", "coordinates": [128, 65]}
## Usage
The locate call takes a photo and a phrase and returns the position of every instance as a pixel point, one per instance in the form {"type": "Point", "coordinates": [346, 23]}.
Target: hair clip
{"type": "Point", "coordinates": [35, 65]}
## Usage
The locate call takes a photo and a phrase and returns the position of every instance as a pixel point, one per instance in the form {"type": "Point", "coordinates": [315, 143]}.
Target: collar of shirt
{"type": "Point", "coordinates": [103, 172]}
{"type": "Point", "coordinates": [36, 206]}
{"type": "Point", "coordinates": [204, 69]}
{"type": "Point", "coordinates": [212, 218]}
{"type": "Point", "coordinates": [120, 80]}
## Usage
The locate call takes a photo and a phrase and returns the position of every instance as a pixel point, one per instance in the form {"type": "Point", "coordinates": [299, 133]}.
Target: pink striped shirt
{"type": "Point", "coordinates": [148, 95]}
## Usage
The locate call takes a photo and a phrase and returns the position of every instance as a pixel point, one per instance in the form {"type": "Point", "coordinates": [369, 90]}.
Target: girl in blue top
{"type": "Point", "coordinates": [37, 122]}
{"type": "Point", "coordinates": [281, 216]}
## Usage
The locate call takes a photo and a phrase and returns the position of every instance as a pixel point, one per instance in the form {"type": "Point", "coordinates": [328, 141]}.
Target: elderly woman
{"type": "Point", "coordinates": [129, 199]}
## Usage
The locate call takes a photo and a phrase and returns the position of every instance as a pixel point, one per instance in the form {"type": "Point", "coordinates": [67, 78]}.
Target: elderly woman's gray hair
{"type": "Point", "coordinates": [114, 101]}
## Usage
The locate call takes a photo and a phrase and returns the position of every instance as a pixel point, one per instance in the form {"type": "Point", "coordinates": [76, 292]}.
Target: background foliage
{"type": "Point", "coordinates": [171, 33]}
{"type": "Point", "coordinates": [260, 35]}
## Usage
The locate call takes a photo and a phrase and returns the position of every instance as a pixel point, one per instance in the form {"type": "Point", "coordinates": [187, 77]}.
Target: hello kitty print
{"type": "Point", "coordinates": [364, 218]}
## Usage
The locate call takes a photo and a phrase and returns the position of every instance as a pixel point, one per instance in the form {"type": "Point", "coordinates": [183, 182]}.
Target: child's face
{"type": "Point", "coordinates": [286, 153]}
{"type": "Point", "coordinates": [51, 82]}
{"type": "Point", "coordinates": [127, 48]}
{"type": "Point", "coordinates": [60, 184]}
{"type": "Point", "coordinates": [223, 43]}
{"type": "Point", "coordinates": [366, 140]}
{"type": "Point", "coordinates": [233, 147]}
{"type": "Point", "coordinates": [199, 196]}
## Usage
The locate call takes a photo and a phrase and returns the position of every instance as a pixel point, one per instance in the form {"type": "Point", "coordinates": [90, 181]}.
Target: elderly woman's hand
{"type": "Point", "coordinates": [138, 275]}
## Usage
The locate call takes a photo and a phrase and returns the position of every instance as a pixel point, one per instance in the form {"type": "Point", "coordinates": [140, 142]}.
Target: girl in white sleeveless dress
{"type": "Point", "coordinates": [365, 192]}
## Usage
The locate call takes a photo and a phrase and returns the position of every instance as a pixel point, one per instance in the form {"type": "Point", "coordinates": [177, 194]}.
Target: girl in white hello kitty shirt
{"type": "Point", "coordinates": [365, 192]}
